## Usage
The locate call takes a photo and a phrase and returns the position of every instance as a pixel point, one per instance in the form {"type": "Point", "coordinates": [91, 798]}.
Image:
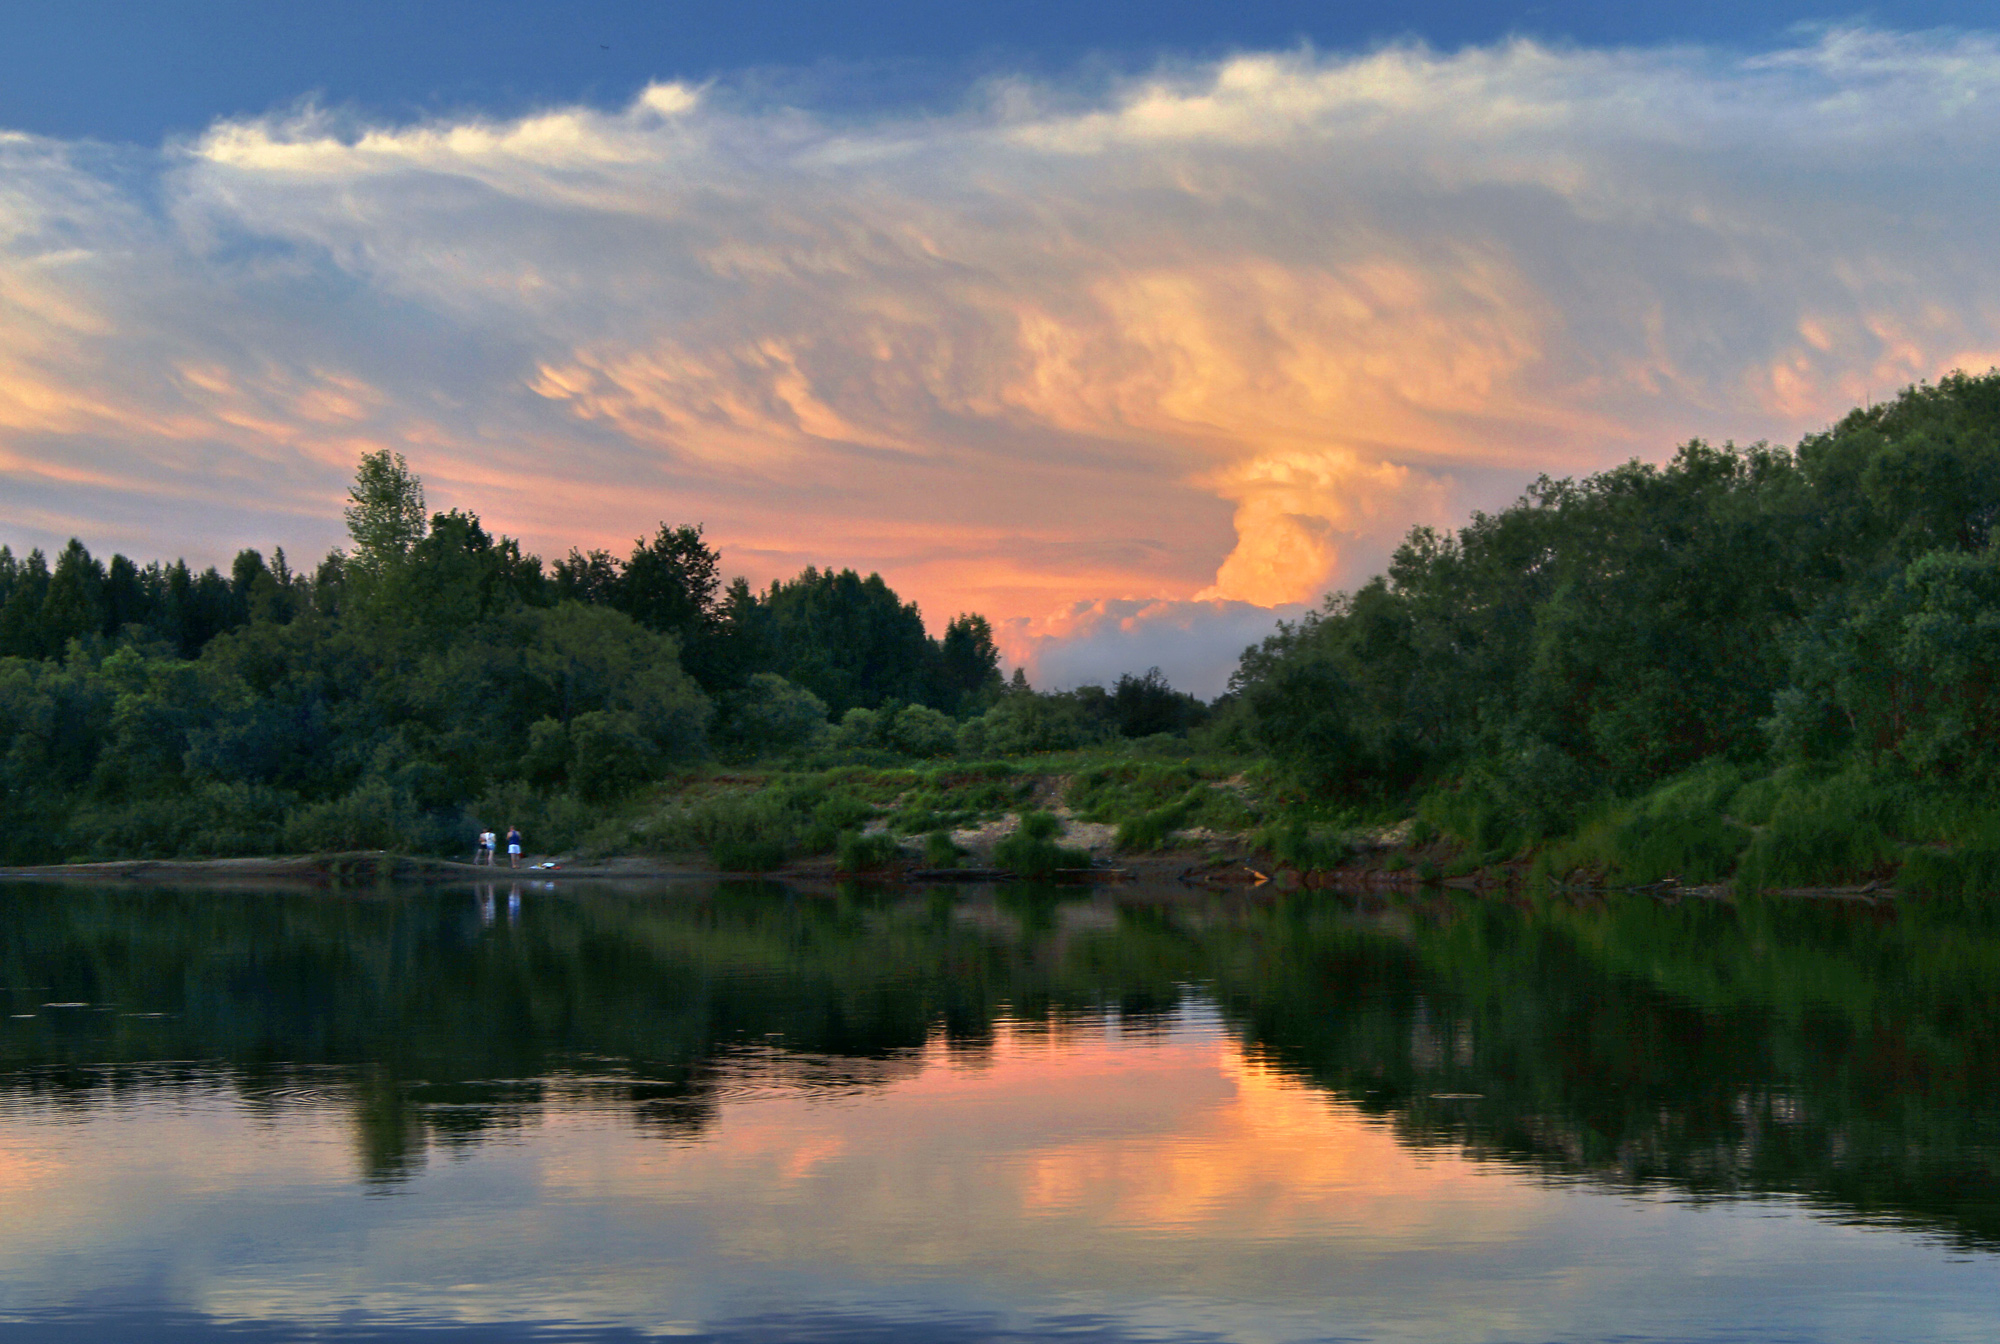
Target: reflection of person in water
{"type": "Point", "coordinates": [514, 905]}
{"type": "Point", "coordinates": [486, 904]}
{"type": "Point", "coordinates": [513, 847]}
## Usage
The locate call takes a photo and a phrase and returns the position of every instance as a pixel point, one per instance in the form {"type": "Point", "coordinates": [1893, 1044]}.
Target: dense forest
{"type": "Point", "coordinates": [1786, 658]}
{"type": "Point", "coordinates": [433, 673]}
{"type": "Point", "coordinates": [1780, 658]}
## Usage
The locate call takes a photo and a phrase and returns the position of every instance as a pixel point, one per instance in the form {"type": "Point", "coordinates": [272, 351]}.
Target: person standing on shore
{"type": "Point", "coordinates": [513, 847]}
{"type": "Point", "coordinates": [487, 841]}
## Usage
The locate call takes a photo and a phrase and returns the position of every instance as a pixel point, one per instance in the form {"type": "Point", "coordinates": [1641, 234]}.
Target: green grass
{"type": "Point", "coordinates": [1680, 830]}
{"type": "Point", "coordinates": [1472, 816]}
{"type": "Point", "coordinates": [748, 815]}
{"type": "Point", "coordinates": [1150, 800]}
{"type": "Point", "coordinates": [1827, 831]}
{"type": "Point", "coordinates": [1305, 845]}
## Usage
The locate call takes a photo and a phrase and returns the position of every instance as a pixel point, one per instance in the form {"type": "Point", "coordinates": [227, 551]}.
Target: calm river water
{"type": "Point", "coordinates": [743, 1113]}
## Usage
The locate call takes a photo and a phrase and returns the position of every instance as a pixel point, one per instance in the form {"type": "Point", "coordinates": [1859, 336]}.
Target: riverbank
{"type": "Point", "coordinates": [345, 869]}
{"type": "Point", "coordinates": [1213, 867]}
{"type": "Point", "coordinates": [1204, 822]}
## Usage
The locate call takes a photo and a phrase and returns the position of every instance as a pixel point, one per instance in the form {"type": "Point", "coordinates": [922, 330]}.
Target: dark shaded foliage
{"type": "Point", "coordinates": [1605, 634]}
{"type": "Point", "coordinates": [434, 670]}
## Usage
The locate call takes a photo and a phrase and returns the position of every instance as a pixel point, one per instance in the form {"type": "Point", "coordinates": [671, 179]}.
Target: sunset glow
{"type": "Point", "coordinates": [1206, 340]}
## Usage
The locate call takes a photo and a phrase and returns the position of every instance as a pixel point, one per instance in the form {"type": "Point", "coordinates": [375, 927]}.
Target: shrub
{"type": "Point", "coordinates": [1153, 829]}
{"type": "Point", "coordinates": [1025, 722]}
{"type": "Point", "coordinates": [1680, 830]}
{"type": "Point", "coordinates": [1831, 830]}
{"type": "Point", "coordinates": [1970, 867]}
{"type": "Point", "coordinates": [1967, 871]}
{"type": "Point", "coordinates": [1298, 844]}
{"type": "Point", "coordinates": [1150, 800]}
{"type": "Point", "coordinates": [858, 853]}
{"type": "Point", "coordinates": [1650, 847]}
{"type": "Point", "coordinates": [770, 716]}
{"type": "Point", "coordinates": [952, 799]}
{"type": "Point", "coordinates": [1113, 792]}
{"type": "Point", "coordinates": [1032, 851]}
{"type": "Point", "coordinates": [859, 730]}
{"type": "Point", "coordinates": [941, 851]}
{"type": "Point", "coordinates": [1039, 826]}
{"type": "Point", "coordinates": [832, 815]}
{"type": "Point", "coordinates": [1479, 820]}
{"type": "Point", "coordinates": [919, 730]}
{"type": "Point", "coordinates": [372, 816]}
{"type": "Point", "coordinates": [212, 819]}
{"type": "Point", "coordinates": [609, 754]}
{"type": "Point", "coordinates": [743, 832]}
{"type": "Point", "coordinates": [747, 855]}
{"type": "Point", "coordinates": [919, 821]}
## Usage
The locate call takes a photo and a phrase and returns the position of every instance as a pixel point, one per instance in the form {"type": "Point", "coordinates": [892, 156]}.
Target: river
{"type": "Point", "coordinates": [741, 1112]}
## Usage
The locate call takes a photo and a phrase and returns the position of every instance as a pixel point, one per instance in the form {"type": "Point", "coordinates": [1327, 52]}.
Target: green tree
{"type": "Point", "coordinates": [458, 574]}
{"type": "Point", "coordinates": [23, 632]}
{"type": "Point", "coordinates": [586, 577]}
{"type": "Point", "coordinates": [74, 606]}
{"type": "Point", "coordinates": [770, 715]}
{"type": "Point", "coordinates": [385, 511]}
{"type": "Point", "coordinates": [968, 665]}
{"type": "Point", "coordinates": [127, 599]}
{"type": "Point", "coordinates": [670, 583]}
{"type": "Point", "coordinates": [1142, 706]}
{"type": "Point", "coordinates": [851, 641]}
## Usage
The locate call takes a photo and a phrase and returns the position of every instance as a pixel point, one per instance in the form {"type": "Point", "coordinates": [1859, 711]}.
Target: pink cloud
{"type": "Point", "coordinates": [1119, 372]}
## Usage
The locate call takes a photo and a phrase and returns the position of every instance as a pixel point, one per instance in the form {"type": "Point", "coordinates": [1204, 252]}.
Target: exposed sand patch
{"type": "Point", "coordinates": [1097, 837]}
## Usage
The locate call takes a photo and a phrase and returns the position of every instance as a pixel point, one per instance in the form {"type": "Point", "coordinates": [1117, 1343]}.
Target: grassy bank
{"type": "Point", "coordinates": [1750, 828]}
{"type": "Point", "coordinates": [1027, 815]}
{"type": "Point", "coordinates": [1719, 824]}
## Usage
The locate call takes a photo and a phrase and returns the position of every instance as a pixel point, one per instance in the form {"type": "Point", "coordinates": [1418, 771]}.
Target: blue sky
{"type": "Point", "coordinates": [139, 70]}
{"type": "Point", "coordinates": [1132, 327]}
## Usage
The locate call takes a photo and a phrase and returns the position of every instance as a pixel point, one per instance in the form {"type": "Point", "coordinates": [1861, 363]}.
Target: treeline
{"type": "Point", "coordinates": [1784, 658]}
{"type": "Point", "coordinates": [850, 641]}
{"type": "Point", "coordinates": [433, 675]}
{"type": "Point", "coordinates": [1828, 611]}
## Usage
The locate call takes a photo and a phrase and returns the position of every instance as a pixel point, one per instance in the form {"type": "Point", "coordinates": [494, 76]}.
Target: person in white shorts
{"type": "Point", "coordinates": [513, 847]}
{"type": "Point", "coordinates": [487, 840]}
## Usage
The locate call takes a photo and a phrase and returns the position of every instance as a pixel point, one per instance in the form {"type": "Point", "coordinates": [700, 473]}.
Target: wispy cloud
{"type": "Point", "coordinates": [1215, 338]}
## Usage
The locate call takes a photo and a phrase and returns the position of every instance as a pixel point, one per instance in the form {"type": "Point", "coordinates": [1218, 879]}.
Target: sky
{"type": "Point", "coordinates": [1134, 327]}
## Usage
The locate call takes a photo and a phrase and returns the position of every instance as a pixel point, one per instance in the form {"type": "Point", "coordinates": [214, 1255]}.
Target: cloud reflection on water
{"type": "Point", "coordinates": [1076, 1178]}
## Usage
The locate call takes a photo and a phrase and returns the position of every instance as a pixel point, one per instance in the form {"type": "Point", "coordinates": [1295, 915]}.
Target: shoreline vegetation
{"type": "Point", "coordinates": [1748, 670]}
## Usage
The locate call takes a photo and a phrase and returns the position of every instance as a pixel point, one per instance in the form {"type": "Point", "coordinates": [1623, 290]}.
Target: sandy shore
{"type": "Point", "coordinates": [1214, 869]}
{"type": "Point", "coordinates": [370, 867]}
{"type": "Point", "coordinates": [338, 869]}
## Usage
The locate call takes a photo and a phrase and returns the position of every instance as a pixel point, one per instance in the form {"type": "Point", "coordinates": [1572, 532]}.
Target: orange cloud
{"type": "Point", "coordinates": [1219, 335]}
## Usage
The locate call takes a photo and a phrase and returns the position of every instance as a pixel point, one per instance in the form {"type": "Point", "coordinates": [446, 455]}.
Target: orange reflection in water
{"type": "Point", "coordinates": [1065, 1156]}
{"type": "Point", "coordinates": [1156, 1176]}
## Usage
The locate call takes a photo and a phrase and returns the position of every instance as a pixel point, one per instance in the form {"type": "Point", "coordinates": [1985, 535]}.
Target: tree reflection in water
{"type": "Point", "coordinates": [1846, 1054]}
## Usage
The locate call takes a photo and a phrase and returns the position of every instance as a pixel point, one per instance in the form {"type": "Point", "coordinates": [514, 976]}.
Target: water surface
{"type": "Point", "coordinates": [748, 1113]}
